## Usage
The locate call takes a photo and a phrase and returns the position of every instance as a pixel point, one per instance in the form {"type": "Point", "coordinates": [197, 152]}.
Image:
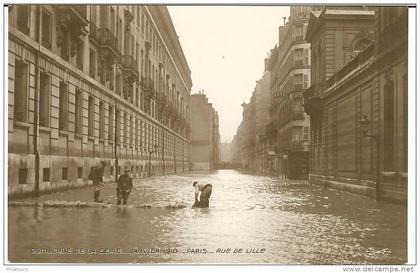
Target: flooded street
{"type": "Point", "coordinates": [274, 220]}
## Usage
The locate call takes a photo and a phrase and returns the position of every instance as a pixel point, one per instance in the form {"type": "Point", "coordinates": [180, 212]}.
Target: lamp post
{"type": "Point", "coordinates": [365, 128]}
{"type": "Point", "coordinates": [151, 151]}
{"type": "Point", "coordinates": [285, 158]}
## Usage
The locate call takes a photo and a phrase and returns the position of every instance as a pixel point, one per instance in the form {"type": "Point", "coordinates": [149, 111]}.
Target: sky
{"type": "Point", "coordinates": [225, 47]}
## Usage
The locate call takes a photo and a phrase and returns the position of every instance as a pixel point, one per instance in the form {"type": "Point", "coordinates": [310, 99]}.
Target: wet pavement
{"type": "Point", "coordinates": [271, 220]}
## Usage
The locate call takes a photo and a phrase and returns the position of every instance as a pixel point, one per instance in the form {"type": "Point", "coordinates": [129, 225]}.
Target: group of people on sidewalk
{"type": "Point", "coordinates": [125, 184]}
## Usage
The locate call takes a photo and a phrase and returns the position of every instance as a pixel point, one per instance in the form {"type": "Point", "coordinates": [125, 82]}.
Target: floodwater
{"type": "Point", "coordinates": [262, 219]}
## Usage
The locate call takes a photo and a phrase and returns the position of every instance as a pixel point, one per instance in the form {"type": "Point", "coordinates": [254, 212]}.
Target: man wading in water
{"type": "Point", "coordinates": [205, 190]}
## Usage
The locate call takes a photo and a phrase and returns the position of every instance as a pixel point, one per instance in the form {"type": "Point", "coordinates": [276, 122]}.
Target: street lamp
{"type": "Point", "coordinates": [365, 129]}
{"type": "Point", "coordinates": [151, 151]}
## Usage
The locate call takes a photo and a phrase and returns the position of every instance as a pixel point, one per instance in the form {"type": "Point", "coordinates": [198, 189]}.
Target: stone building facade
{"type": "Point", "coordinates": [89, 83]}
{"type": "Point", "coordinates": [358, 100]}
{"type": "Point", "coordinates": [247, 143]}
{"type": "Point", "coordinates": [226, 152]}
{"type": "Point", "coordinates": [288, 130]}
{"type": "Point", "coordinates": [205, 137]}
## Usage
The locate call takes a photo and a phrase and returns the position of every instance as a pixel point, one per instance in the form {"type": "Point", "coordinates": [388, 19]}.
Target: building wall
{"type": "Point", "coordinates": [205, 138]}
{"type": "Point", "coordinates": [226, 151]}
{"type": "Point", "coordinates": [347, 154]}
{"type": "Point", "coordinates": [78, 126]}
{"type": "Point", "coordinates": [290, 67]}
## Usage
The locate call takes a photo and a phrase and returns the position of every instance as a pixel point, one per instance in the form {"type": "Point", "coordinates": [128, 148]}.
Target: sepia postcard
{"type": "Point", "coordinates": [240, 134]}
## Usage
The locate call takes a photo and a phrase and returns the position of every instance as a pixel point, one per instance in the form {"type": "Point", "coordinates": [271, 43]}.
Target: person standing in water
{"type": "Point", "coordinates": [202, 194]}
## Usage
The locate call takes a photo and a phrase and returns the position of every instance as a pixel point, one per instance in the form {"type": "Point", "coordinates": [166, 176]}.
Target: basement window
{"type": "Point", "coordinates": [46, 175]}
{"type": "Point", "coordinates": [23, 175]}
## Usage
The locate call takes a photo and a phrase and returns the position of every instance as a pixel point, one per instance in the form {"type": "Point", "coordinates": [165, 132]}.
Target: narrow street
{"type": "Point", "coordinates": [275, 221]}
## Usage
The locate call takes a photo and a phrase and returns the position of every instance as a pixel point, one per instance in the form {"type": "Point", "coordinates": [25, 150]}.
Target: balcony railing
{"type": "Point", "coordinates": [271, 127]}
{"type": "Point", "coordinates": [298, 115]}
{"type": "Point", "coordinates": [77, 13]}
{"type": "Point", "coordinates": [129, 63]}
{"type": "Point", "coordinates": [312, 99]}
{"type": "Point", "coordinates": [108, 40]}
{"type": "Point", "coordinates": [161, 99]}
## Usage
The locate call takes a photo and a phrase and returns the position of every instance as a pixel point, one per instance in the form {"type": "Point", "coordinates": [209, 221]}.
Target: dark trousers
{"type": "Point", "coordinates": [122, 194]}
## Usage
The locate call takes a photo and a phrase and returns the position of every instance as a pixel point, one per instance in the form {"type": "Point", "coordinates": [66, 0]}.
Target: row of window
{"type": "Point", "coordinates": [299, 57]}
{"type": "Point", "coordinates": [66, 46]}
{"type": "Point", "coordinates": [132, 130]}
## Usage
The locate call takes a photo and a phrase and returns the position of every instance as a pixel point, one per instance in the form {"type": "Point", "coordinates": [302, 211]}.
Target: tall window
{"type": "Point", "coordinates": [141, 62]}
{"type": "Point", "coordinates": [125, 129]}
{"type": "Point", "coordinates": [136, 132]}
{"type": "Point", "coordinates": [389, 123]}
{"type": "Point", "coordinates": [93, 14]}
{"type": "Point", "coordinates": [298, 81]}
{"type": "Point", "coordinates": [137, 96]}
{"type": "Point", "coordinates": [305, 81]}
{"type": "Point", "coordinates": [137, 54]}
{"type": "Point", "coordinates": [103, 16]}
{"type": "Point", "coordinates": [91, 116]}
{"type": "Point", "coordinates": [305, 133]}
{"type": "Point", "coordinates": [63, 104]}
{"type": "Point", "coordinates": [141, 134]}
{"type": "Point", "coordinates": [120, 33]}
{"type": "Point", "coordinates": [142, 23]}
{"type": "Point", "coordinates": [298, 32]}
{"type": "Point", "coordinates": [23, 15]}
{"type": "Point", "coordinates": [112, 21]}
{"type": "Point", "coordinates": [78, 112]}
{"type": "Point", "coordinates": [101, 120]}
{"type": "Point", "coordinates": [117, 125]}
{"type": "Point", "coordinates": [131, 129]}
{"type": "Point", "coordinates": [138, 16]}
{"type": "Point", "coordinates": [44, 100]}
{"type": "Point", "coordinates": [306, 56]}
{"type": "Point", "coordinates": [299, 56]}
{"type": "Point", "coordinates": [21, 92]}
{"type": "Point", "coordinates": [46, 29]}
{"type": "Point", "coordinates": [92, 63]}
{"type": "Point", "coordinates": [79, 55]}
{"type": "Point", "coordinates": [110, 123]}
{"type": "Point", "coordinates": [118, 83]}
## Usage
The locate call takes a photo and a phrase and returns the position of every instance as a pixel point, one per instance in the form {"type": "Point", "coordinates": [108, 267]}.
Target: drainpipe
{"type": "Point", "coordinates": [37, 89]}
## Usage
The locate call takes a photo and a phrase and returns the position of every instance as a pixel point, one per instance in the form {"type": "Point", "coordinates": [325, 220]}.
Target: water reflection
{"type": "Point", "coordinates": [293, 222]}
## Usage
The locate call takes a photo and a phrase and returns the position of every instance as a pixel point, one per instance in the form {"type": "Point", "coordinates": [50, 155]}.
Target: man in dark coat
{"type": "Point", "coordinates": [124, 186]}
{"type": "Point", "coordinates": [204, 190]}
{"type": "Point", "coordinates": [96, 175]}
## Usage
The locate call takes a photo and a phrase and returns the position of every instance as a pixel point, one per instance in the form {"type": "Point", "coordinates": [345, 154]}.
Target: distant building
{"type": "Point", "coordinates": [90, 83]}
{"type": "Point", "coordinates": [357, 101]}
{"type": "Point", "coordinates": [205, 137]}
{"type": "Point", "coordinates": [226, 151]}
{"type": "Point", "coordinates": [248, 142]}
